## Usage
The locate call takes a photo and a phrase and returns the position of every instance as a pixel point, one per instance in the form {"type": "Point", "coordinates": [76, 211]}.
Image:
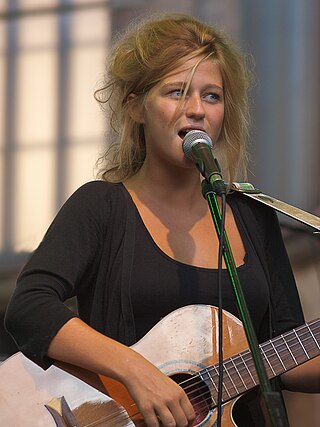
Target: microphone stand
{"type": "Point", "coordinates": [272, 403]}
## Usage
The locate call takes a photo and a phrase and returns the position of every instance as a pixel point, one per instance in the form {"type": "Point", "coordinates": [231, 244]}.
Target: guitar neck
{"type": "Point", "coordinates": [279, 355]}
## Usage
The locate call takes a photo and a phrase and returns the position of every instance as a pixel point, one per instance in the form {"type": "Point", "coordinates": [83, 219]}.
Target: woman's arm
{"type": "Point", "coordinates": [156, 395]}
{"type": "Point", "coordinates": [304, 378]}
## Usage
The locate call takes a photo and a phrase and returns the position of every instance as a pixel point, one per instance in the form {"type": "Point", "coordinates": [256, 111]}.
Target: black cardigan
{"type": "Point", "coordinates": [88, 251]}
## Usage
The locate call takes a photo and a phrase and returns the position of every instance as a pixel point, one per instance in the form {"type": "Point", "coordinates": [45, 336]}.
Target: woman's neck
{"type": "Point", "coordinates": [175, 187]}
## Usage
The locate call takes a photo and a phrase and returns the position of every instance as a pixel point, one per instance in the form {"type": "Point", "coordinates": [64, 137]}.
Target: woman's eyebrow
{"type": "Point", "coordinates": [177, 84]}
{"type": "Point", "coordinates": [183, 84]}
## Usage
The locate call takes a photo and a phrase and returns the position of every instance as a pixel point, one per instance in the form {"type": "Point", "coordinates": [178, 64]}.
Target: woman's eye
{"type": "Point", "coordinates": [176, 93]}
{"type": "Point", "coordinates": [212, 97]}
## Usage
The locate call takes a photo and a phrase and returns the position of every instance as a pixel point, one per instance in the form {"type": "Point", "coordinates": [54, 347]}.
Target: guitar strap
{"type": "Point", "coordinates": [298, 214]}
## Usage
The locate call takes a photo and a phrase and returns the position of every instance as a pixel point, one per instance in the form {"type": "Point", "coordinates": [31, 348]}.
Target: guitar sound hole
{"type": "Point", "coordinates": [198, 394]}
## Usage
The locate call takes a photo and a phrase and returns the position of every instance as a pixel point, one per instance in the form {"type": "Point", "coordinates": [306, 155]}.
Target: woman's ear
{"type": "Point", "coordinates": [135, 108]}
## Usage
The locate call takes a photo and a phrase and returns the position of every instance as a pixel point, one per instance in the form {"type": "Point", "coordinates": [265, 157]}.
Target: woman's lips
{"type": "Point", "coordinates": [183, 132]}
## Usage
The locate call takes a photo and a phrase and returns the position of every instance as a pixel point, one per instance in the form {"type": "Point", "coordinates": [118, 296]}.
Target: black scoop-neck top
{"type": "Point", "coordinates": [161, 284]}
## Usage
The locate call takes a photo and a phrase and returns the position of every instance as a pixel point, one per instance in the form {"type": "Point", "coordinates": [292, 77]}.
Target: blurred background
{"type": "Point", "coordinates": [52, 57]}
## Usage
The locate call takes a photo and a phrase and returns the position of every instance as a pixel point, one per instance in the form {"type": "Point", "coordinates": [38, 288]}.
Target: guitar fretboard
{"type": "Point", "coordinates": [279, 355]}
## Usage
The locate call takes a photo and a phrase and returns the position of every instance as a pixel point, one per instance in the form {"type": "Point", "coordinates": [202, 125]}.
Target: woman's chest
{"type": "Point", "coordinates": [161, 284]}
{"type": "Point", "coordinates": [192, 239]}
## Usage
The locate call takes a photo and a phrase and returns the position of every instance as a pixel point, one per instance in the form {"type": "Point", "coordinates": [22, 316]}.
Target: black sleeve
{"type": "Point", "coordinates": [56, 270]}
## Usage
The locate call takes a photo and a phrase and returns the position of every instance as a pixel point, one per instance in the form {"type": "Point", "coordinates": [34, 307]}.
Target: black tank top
{"type": "Point", "coordinates": [160, 284]}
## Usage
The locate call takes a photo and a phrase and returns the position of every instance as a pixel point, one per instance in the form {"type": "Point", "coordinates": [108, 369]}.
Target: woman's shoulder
{"type": "Point", "coordinates": [99, 192]}
{"type": "Point", "coordinates": [93, 206]}
{"type": "Point", "coordinates": [99, 188]}
{"type": "Point", "coordinates": [97, 200]}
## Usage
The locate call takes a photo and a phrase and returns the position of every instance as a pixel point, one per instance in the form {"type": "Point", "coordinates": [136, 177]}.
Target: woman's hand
{"type": "Point", "coordinates": [160, 400]}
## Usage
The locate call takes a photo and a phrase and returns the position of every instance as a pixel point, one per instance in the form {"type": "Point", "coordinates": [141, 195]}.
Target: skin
{"type": "Point", "coordinates": [173, 176]}
{"type": "Point", "coordinates": [166, 191]}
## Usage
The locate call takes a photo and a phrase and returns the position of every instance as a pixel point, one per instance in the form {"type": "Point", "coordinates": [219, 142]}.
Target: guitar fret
{"type": "Point", "coordinates": [279, 355]}
{"type": "Point", "coordinates": [266, 358]}
{"type": "Point", "coordinates": [295, 332]}
{"type": "Point", "coordinates": [230, 377]}
{"type": "Point", "coordinates": [243, 370]}
{"type": "Point", "coordinates": [248, 370]}
{"type": "Point", "coordinates": [235, 367]}
{"type": "Point", "coordinates": [207, 371]}
{"type": "Point", "coordinates": [281, 359]}
{"type": "Point", "coordinates": [223, 384]}
{"type": "Point", "coordinates": [314, 338]}
{"type": "Point", "coordinates": [305, 340]}
{"type": "Point", "coordinates": [253, 370]}
{"type": "Point", "coordinates": [289, 350]}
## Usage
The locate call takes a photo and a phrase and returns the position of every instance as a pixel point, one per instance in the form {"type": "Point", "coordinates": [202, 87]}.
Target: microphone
{"type": "Point", "coordinates": [197, 146]}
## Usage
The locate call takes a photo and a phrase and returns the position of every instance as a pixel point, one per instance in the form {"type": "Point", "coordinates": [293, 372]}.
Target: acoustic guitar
{"type": "Point", "coordinates": [183, 345]}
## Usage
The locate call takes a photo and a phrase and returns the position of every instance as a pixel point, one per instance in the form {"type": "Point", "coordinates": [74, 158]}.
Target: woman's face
{"type": "Point", "coordinates": [166, 121]}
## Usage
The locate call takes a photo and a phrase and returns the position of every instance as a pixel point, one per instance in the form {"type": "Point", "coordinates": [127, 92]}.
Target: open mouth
{"type": "Point", "coordinates": [183, 132]}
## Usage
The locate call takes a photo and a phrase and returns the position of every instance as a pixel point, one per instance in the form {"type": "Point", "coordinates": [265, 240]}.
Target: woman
{"type": "Point", "coordinates": [135, 246]}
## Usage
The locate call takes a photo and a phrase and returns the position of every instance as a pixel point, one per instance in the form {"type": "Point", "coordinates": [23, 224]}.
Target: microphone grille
{"type": "Point", "coordinates": [195, 137]}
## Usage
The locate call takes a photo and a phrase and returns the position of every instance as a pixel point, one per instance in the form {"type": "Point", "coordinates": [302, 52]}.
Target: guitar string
{"type": "Point", "coordinates": [205, 406]}
{"type": "Point", "coordinates": [250, 360]}
{"type": "Point", "coordinates": [311, 334]}
{"type": "Point", "coordinates": [244, 362]}
{"type": "Point", "coordinates": [267, 347]}
{"type": "Point", "coordinates": [247, 352]}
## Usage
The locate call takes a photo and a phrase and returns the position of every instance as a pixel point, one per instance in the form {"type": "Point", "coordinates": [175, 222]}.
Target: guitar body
{"type": "Point", "coordinates": [184, 342]}
{"type": "Point", "coordinates": [25, 389]}
{"type": "Point", "coordinates": [183, 345]}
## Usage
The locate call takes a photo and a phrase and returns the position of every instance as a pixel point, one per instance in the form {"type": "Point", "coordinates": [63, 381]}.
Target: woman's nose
{"type": "Point", "coordinates": [194, 106]}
